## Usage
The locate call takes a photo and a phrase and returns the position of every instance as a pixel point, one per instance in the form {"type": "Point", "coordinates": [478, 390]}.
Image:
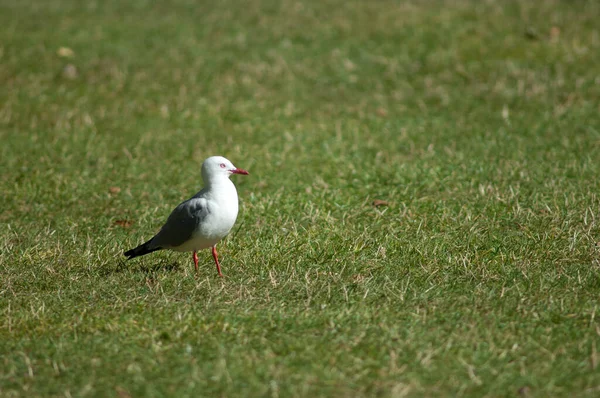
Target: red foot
{"type": "Point", "coordinates": [195, 257]}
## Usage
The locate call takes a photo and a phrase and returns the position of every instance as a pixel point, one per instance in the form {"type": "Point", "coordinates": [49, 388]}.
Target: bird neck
{"type": "Point", "coordinates": [219, 184]}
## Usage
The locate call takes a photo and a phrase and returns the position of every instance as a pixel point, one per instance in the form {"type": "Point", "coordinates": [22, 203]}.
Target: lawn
{"type": "Point", "coordinates": [474, 126]}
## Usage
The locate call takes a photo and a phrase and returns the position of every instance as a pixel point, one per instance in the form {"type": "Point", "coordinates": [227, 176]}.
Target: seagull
{"type": "Point", "coordinates": [203, 220]}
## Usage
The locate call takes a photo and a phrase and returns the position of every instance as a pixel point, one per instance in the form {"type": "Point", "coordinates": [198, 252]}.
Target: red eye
{"type": "Point", "coordinates": [222, 165]}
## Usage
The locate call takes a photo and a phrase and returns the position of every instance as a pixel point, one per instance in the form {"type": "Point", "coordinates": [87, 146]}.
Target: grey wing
{"type": "Point", "coordinates": [182, 223]}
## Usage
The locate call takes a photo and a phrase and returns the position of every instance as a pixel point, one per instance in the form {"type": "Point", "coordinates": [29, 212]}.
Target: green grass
{"type": "Point", "coordinates": [479, 123]}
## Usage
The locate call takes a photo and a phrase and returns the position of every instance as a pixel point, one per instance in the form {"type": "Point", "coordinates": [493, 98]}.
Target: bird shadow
{"type": "Point", "coordinates": [163, 266]}
{"type": "Point", "coordinates": [124, 267]}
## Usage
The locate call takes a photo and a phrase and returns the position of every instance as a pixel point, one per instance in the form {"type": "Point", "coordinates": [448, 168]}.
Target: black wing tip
{"type": "Point", "coordinates": [140, 251]}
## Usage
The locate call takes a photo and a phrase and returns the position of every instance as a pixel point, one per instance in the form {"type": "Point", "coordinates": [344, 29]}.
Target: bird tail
{"type": "Point", "coordinates": [141, 250]}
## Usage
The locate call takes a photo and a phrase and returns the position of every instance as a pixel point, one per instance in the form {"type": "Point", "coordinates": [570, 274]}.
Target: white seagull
{"type": "Point", "coordinates": [203, 220]}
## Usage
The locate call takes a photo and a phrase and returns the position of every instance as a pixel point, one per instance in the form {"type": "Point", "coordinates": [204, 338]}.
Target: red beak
{"type": "Point", "coordinates": [239, 171]}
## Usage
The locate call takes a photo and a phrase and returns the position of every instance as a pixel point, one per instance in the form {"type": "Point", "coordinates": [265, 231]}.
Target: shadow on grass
{"type": "Point", "coordinates": [124, 266]}
{"type": "Point", "coordinates": [163, 266]}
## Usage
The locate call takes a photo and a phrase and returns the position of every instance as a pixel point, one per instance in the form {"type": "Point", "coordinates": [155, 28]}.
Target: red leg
{"type": "Point", "coordinates": [214, 252]}
{"type": "Point", "coordinates": [195, 257]}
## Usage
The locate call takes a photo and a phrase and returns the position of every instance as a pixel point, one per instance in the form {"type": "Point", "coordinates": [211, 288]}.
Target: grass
{"type": "Point", "coordinates": [477, 122]}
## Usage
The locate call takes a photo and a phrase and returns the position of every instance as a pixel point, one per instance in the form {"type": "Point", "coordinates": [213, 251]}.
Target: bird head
{"type": "Point", "coordinates": [218, 166]}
